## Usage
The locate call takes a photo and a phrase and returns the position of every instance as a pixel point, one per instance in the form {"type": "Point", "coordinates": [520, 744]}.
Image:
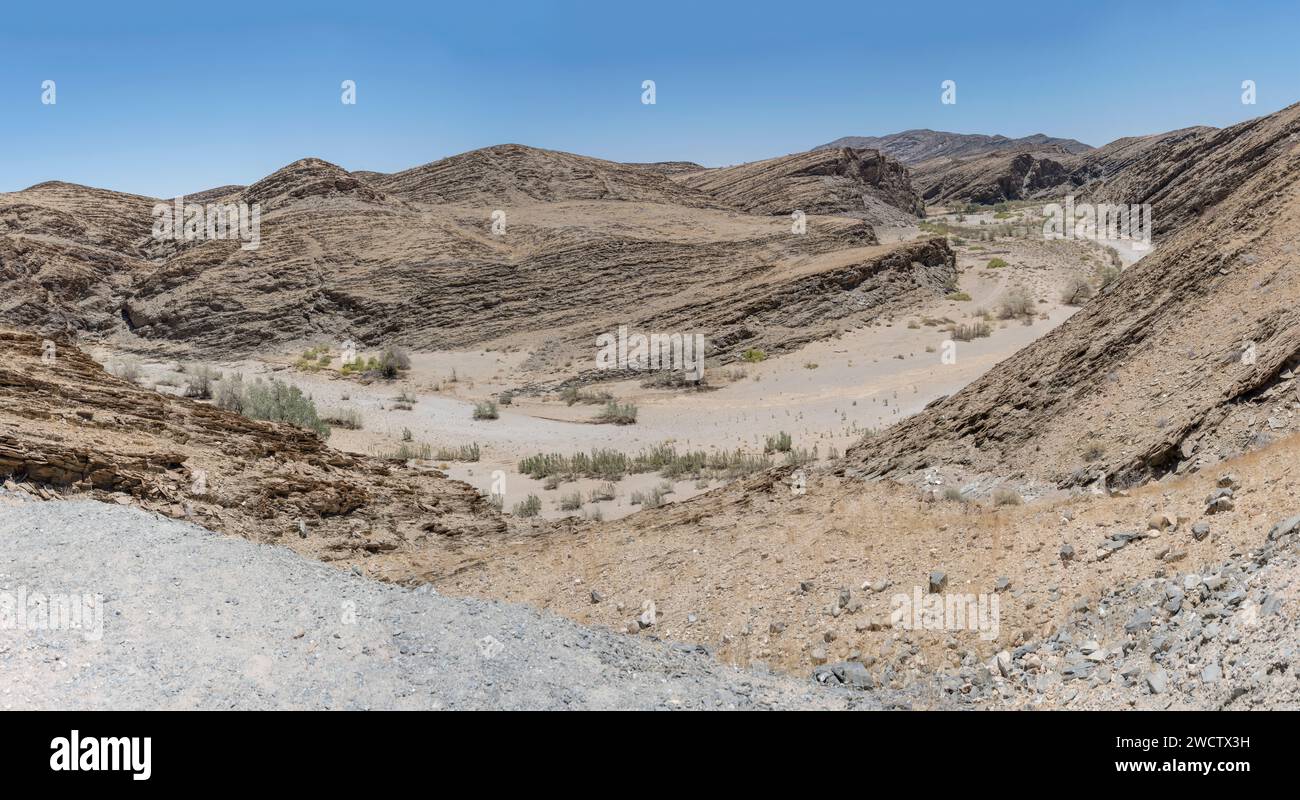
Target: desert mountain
{"type": "Point", "coordinates": [511, 173]}
{"type": "Point", "coordinates": [916, 146]}
{"type": "Point", "coordinates": [842, 181]}
{"type": "Point", "coordinates": [1187, 358]}
{"type": "Point", "coordinates": [1029, 172]}
{"type": "Point", "coordinates": [993, 177]}
{"type": "Point", "coordinates": [412, 257]}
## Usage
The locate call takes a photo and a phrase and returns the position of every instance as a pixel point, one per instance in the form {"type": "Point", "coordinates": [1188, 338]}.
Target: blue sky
{"type": "Point", "coordinates": [159, 99]}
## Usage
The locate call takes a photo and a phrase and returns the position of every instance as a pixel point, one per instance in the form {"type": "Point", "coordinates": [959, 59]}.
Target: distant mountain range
{"type": "Point", "coordinates": [915, 146]}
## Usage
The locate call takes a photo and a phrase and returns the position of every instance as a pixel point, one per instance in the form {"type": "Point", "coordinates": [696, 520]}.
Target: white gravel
{"type": "Point", "coordinates": [192, 619]}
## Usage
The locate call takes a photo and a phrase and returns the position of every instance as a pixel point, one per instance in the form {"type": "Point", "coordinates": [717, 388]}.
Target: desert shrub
{"type": "Point", "coordinates": [611, 465]}
{"type": "Point", "coordinates": [1077, 291]}
{"type": "Point", "coordinates": [572, 394]}
{"type": "Point", "coordinates": [753, 355]}
{"type": "Point", "coordinates": [392, 360]}
{"type": "Point", "coordinates": [230, 393]}
{"type": "Point", "coordinates": [528, 508]}
{"type": "Point", "coordinates": [408, 452]}
{"type": "Point", "coordinates": [276, 401]}
{"type": "Point", "coordinates": [466, 452]}
{"type": "Point", "coordinates": [406, 434]}
{"type": "Point", "coordinates": [1093, 452]}
{"type": "Point", "coordinates": [497, 501]}
{"type": "Point", "coordinates": [1005, 497]}
{"type": "Point", "coordinates": [617, 414]}
{"type": "Point", "coordinates": [127, 370]}
{"type": "Point", "coordinates": [1106, 275]}
{"type": "Point", "coordinates": [485, 410]}
{"type": "Point", "coordinates": [960, 296]}
{"type": "Point", "coordinates": [953, 494]}
{"type": "Point", "coordinates": [571, 502]}
{"type": "Point", "coordinates": [781, 443]}
{"type": "Point", "coordinates": [349, 418]}
{"type": "Point", "coordinates": [605, 491]}
{"type": "Point", "coordinates": [1017, 302]}
{"type": "Point", "coordinates": [800, 455]}
{"type": "Point", "coordinates": [199, 385]}
{"type": "Point", "coordinates": [506, 398]}
{"type": "Point", "coordinates": [976, 330]}
{"type": "Point", "coordinates": [996, 263]}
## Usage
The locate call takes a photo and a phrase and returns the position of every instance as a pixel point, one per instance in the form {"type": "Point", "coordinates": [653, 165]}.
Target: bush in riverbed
{"type": "Point", "coordinates": [349, 418]}
{"type": "Point", "coordinates": [276, 401]}
{"type": "Point", "coordinates": [199, 385]}
{"type": "Point", "coordinates": [616, 414]}
{"type": "Point", "coordinates": [528, 508]}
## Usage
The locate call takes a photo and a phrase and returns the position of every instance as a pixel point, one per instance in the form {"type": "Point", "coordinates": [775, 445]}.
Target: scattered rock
{"type": "Point", "coordinates": [938, 580]}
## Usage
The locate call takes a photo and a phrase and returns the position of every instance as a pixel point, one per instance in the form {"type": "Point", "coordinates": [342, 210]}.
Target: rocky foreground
{"type": "Point", "coordinates": [192, 620]}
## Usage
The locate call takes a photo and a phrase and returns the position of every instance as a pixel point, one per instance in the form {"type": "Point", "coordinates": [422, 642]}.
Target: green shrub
{"type": "Point", "coordinates": [965, 333]}
{"type": "Point", "coordinates": [200, 382]}
{"type": "Point", "coordinates": [467, 452]}
{"type": "Point", "coordinates": [409, 452]}
{"type": "Point", "coordinates": [275, 401]}
{"type": "Point", "coordinates": [753, 355]}
{"type": "Point", "coordinates": [528, 508]}
{"type": "Point", "coordinates": [392, 360]}
{"type": "Point", "coordinates": [1017, 302]}
{"type": "Point", "coordinates": [996, 263]}
{"type": "Point", "coordinates": [781, 443]}
{"type": "Point", "coordinates": [485, 410]}
{"type": "Point", "coordinates": [617, 414]}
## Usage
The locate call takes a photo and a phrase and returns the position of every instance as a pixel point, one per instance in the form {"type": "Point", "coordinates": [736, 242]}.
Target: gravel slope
{"type": "Point", "coordinates": [196, 620]}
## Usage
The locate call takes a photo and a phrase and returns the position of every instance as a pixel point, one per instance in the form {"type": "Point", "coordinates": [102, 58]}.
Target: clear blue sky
{"type": "Point", "coordinates": [161, 99]}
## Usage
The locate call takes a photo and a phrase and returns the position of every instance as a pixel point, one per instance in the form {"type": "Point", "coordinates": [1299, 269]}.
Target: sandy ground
{"type": "Point", "coordinates": [826, 395]}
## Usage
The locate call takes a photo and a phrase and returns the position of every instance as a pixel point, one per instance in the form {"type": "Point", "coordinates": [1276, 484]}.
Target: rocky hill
{"type": "Point", "coordinates": [1120, 171]}
{"type": "Point", "coordinates": [414, 257]}
{"type": "Point", "coordinates": [1186, 359]}
{"type": "Point", "coordinates": [844, 181]}
{"type": "Point", "coordinates": [68, 425]}
{"type": "Point", "coordinates": [508, 174]}
{"type": "Point", "coordinates": [920, 145]}
{"type": "Point", "coordinates": [994, 177]}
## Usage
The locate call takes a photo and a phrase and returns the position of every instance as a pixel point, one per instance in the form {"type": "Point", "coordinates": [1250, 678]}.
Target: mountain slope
{"type": "Point", "coordinates": [414, 257]}
{"type": "Point", "coordinates": [842, 181]}
{"type": "Point", "coordinates": [1185, 359]}
{"type": "Point", "coordinates": [918, 145]}
{"type": "Point", "coordinates": [499, 176]}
